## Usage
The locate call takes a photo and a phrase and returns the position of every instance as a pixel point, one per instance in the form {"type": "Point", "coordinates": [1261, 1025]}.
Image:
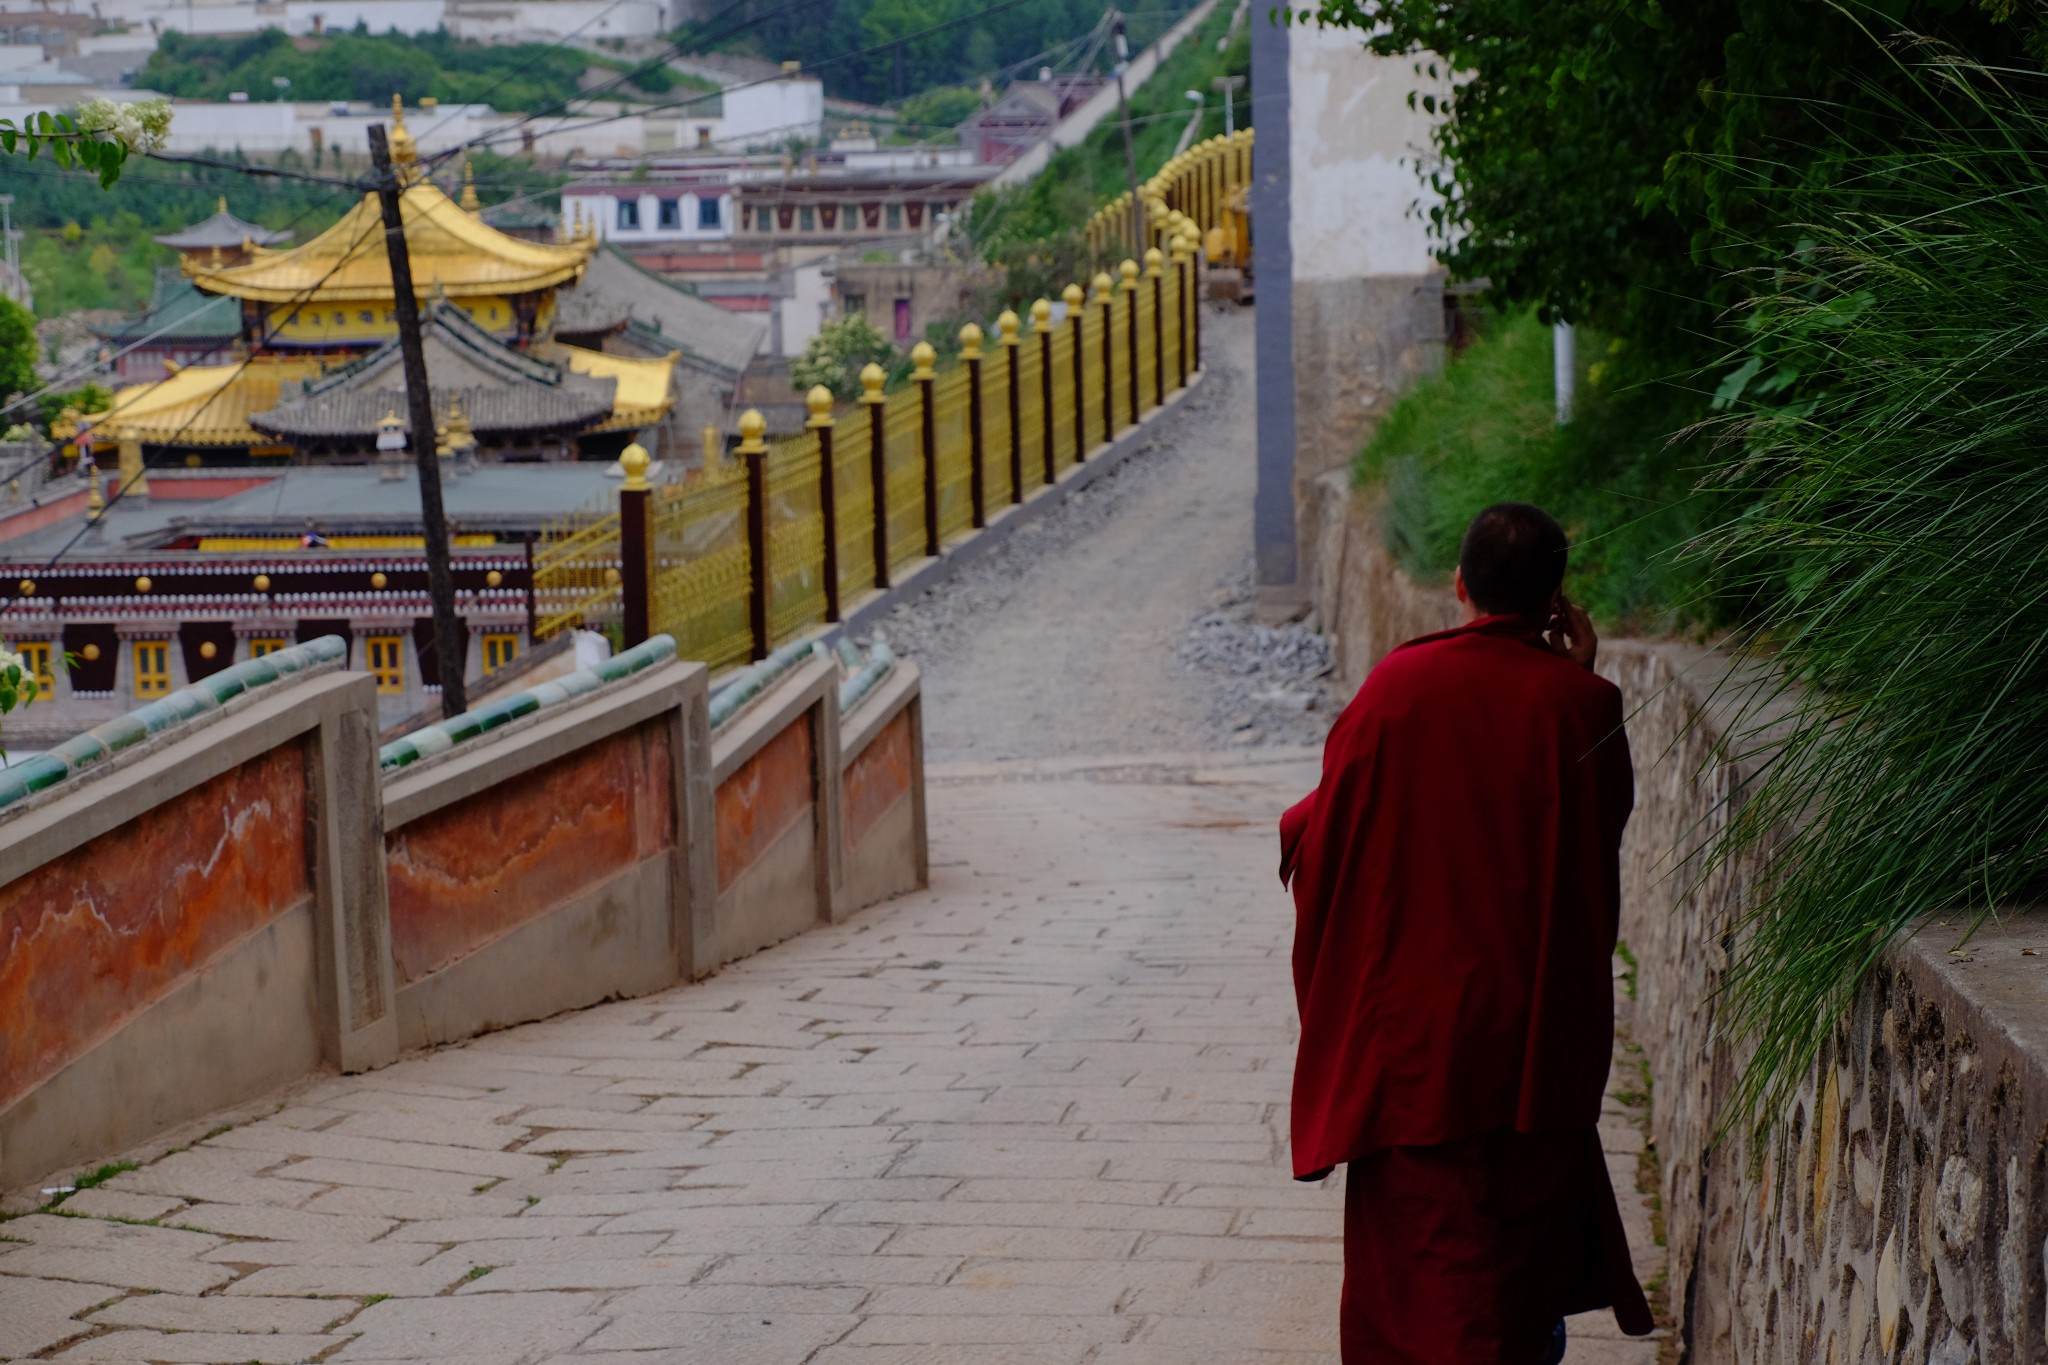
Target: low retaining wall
{"type": "Point", "coordinates": [1899, 1212]}
{"type": "Point", "coordinates": [241, 900]}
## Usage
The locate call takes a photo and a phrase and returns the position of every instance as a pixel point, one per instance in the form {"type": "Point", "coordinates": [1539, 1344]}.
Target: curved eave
{"type": "Point", "coordinates": [646, 387]}
{"type": "Point", "coordinates": [453, 254]}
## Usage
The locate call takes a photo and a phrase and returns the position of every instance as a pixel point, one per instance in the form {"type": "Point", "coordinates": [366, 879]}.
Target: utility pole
{"type": "Point", "coordinates": [450, 648]}
{"type": "Point", "coordinates": [1229, 86]}
{"type": "Point", "coordinates": [1123, 104]}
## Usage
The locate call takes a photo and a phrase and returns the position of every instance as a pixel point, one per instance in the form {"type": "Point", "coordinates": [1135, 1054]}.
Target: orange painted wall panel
{"type": "Point", "coordinates": [878, 777]}
{"type": "Point", "coordinates": [91, 937]}
{"type": "Point", "coordinates": [468, 873]}
{"type": "Point", "coordinates": [758, 804]}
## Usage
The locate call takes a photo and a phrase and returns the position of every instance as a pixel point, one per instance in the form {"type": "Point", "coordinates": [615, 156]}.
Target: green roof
{"type": "Point", "coordinates": [179, 312]}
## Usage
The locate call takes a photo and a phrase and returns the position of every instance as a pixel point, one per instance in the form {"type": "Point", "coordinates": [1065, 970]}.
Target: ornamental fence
{"type": "Point", "coordinates": [752, 551]}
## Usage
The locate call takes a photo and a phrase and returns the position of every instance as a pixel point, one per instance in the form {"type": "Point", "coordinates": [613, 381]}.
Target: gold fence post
{"type": "Point", "coordinates": [921, 357]}
{"type": "Point", "coordinates": [1007, 326]}
{"type": "Point", "coordinates": [1105, 294]}
{"type": "Point", "coordinates": [1179, 247]}
{"type": "Point", "coordinates": [871, 380]}
{"type": "Point", "coordinates": [1041, 323]}
{"type": "Point", "coordinates": [754, 451]}
{"type": "Point", "coordinates": [977, 481]}
{"type": "Point", "coordinates": [1076, 301]}
{"type": "Point", "coordinates": [1156, 273]}
{"type": "Point", "coordinates": [1129, 271]}
{"type": "Point", "coordinates": [1193, 237]}
{"type": "Point", "coordinates": [635, 578]}
{"type": "Point", "coordinates": [819, 401]}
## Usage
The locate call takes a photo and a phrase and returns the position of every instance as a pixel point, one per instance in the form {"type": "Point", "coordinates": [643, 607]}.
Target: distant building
{"type": "Point", "coordinates": [1024, 115]}
{"type": "Point", "coordinates": [220, 240]}
{"type": "Point", "coordinates": [181, 327]}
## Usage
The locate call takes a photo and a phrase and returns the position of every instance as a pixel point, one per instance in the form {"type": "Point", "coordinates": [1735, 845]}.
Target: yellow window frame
{"type": "Point", "coordinates": [36, 654]}
{"type": "Point", "coordinates": [260, 645]}
{"type": "Point", "coordinates": [500, 648]}
{"type": "Point", "coordinates": [385, 657]}
{"type": "Point", "coordinates": [152, 668]}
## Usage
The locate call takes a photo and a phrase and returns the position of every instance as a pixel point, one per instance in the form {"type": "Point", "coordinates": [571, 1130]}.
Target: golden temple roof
{"type": "Point", "coordinates": [203, 405]}
{"type": "Point", "coordinates": [453, 251]}
{"type": "Point", "coordinates": [646, 388]}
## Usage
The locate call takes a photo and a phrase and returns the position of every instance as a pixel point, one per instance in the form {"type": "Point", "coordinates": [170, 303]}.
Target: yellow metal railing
{"type": "Point", "coordinates": [735, 557]}
{"type": "Point", "coordinates": [1204, 185]}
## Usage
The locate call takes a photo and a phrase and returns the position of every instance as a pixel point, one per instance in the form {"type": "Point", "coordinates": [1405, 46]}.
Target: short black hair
{"type": "Point", "coordinates": [1513, 559]}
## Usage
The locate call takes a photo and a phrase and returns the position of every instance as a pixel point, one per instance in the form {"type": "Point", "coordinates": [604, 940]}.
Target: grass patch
{"type": "Point", "coordinates": [1484, 431]}
{"type": "Point", "coordinates": [1629, 969]}
{"type": "Point", "coordinates": [477, 1272]}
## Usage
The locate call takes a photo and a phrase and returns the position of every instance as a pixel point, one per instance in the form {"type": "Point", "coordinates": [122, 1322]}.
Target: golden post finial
{"type": "Point", "coordinates": [469, 199]}
{"type": "Point", "coordinates": [1041, 315]}
{"type": "Point", "coordinates": [1006, 327]}
{"type": "Point", "coordinates": [819, 401]}
{"type": "Point", "coordinates": [1155, 260]}
{"type": "Point", "coordinates": [94, 503]}
{"type": "Point", "coordinates": [970, 342]}
{"type": "Point", "coordinates": [633, 460]}
{"type": "Point", "coordinates": [1102, 286]}
{"type": "Point", "coordinates": [753, 426]}
{"type": "Point", "coordinates": [922, 358]}
{"type": "Point", "coordinates": [1073, 297]}
{"type": "Point", "coordinates": [1129, 271]}
{"type": "Point", "coordinates": [871, 380]}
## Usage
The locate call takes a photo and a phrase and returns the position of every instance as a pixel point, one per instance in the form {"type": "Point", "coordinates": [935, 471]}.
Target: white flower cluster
{"type": "Point", "coordinates": [140, 127]}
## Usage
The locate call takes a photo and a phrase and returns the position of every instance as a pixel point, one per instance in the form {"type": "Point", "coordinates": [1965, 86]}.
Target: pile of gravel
{"type": "Point", "coordinates": [1266, 684]}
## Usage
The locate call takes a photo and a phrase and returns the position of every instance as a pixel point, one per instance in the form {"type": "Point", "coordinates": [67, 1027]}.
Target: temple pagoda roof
{"type": "Point", "coordinates": [202, 405]}
{"type": "Point", "coordinates": [502, 391]}
{"type": "Point", "coordinates": [453, 251]}
{"type": "Point", "coordinates": [223, 230]}
{"type": "Point", "coordinates": [178, 312]}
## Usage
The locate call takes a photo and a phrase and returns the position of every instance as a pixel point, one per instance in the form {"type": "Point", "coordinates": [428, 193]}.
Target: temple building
{"type": "Point", "coordinates": [314, 365]}
{"type": "Point", "coordinates": [201, 569]}
{"type": "Point", "coordinates": [221, 240]}
{"type": "Point", "coordinates": [181, 327]}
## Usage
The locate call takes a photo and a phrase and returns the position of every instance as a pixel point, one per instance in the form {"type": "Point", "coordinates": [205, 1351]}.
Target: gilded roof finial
{"type": "Point", "coordinates": [404, 151]}
{"type": "Point", "coordinates": [469, 199]}
{"type": "Point", "coordinates": [216, 256]}
{"type": "Point", "coordinates": [223, 203]}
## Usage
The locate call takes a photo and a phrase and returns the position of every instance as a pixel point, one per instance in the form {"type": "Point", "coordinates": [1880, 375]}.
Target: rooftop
{"type": "Point", "coordinates": [179, 312]}
{"type": "Point", "coordinates": [223, 230]}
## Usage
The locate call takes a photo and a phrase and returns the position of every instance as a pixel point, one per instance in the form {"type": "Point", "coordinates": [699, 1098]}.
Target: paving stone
{"type": "Point", "coordinates": [37, 1314]}
{"type": "Point", "coordinates": [128, 1269]}
{"type": "Point", "coordinates": [102, 1202]}
{"type": "Point", "coordinates": [224, 1313]}
{"type": "Point", "coordinates": [792, 1336]}
{"type": "Point", "coordinates": [512, 1328]}
{"type": "Point", "coordinates": [616, 1272]}
{"type": "Point", "coordinates": [204, 1348]}
{"type": "Point", "coordinates": [289, 1225]}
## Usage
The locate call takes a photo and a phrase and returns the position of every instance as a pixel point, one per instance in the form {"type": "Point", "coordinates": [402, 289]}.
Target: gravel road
{"type": "Point", "coordinates": [1121, 622]}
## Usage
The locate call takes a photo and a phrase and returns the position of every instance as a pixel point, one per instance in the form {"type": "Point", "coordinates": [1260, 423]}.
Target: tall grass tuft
{"type": "Point", "coordinates": [1894, 552]}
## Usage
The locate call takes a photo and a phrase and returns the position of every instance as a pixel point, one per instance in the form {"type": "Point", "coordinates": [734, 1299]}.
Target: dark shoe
{"type": "Point", "coordinates": [1556, 1355]}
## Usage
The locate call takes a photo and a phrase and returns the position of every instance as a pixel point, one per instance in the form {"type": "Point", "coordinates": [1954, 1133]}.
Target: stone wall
{"type": "Point", "coordinates": [1898, 1214]}
{"type": "Point", "coordinates": [243, 899]}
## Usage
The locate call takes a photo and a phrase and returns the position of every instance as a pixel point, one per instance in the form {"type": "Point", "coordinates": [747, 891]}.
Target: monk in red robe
{"type": "Point", "coordinates": [1457, 884]}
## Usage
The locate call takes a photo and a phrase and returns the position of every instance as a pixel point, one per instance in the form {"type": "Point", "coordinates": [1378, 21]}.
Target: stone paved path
{"type": "Point", "coordinates": [1035, 1116]}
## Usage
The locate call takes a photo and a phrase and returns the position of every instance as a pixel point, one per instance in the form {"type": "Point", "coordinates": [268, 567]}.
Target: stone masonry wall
{"type": "Point", "coordinates": [1898, 1213]}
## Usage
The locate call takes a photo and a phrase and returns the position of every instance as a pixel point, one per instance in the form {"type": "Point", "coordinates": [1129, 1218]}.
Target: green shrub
{"type": "Point", "coordinates": [1485, 431]}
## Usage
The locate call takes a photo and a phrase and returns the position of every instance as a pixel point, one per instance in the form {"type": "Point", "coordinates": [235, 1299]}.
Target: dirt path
{"type": "Point", "coordinates": [1120, 623]}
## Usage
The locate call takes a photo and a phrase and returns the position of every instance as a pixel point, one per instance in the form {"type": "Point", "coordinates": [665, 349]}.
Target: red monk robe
{"type": "Point", "coordinates": [1456, 878]}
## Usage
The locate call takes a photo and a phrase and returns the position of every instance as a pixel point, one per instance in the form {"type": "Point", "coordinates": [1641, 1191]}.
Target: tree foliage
{"type": "Point", "coordinates": [819, 34]}
{"type": "Point", "coordinates": [17, 351]}
{"type": "Point", "coordinates": [1622, 162]}
{"type": "Point", "coordinates": [361, 65]}
{"type": "Point", "coordinates": [835, 357]}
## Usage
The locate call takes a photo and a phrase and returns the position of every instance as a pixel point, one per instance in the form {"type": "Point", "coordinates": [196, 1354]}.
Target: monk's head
{"type": "Point", "coordinates": [1511, 562]}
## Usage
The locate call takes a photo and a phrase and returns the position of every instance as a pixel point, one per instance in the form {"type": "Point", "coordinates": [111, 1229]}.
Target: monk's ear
{"type": "Point", "coordinates": [1458, 585]}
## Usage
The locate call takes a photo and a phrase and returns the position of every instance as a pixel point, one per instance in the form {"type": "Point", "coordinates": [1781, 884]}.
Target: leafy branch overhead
{"type": "Point", "coordinates": [99, 138]}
